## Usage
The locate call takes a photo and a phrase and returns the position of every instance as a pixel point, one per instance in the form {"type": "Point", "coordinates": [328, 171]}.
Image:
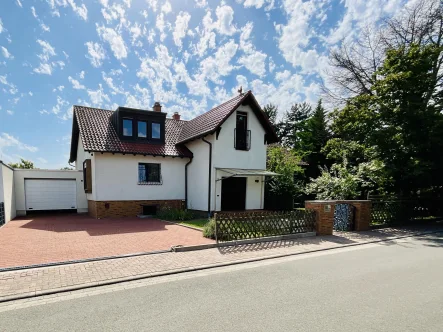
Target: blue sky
{"type": "Point", "coordinates": [188, 54]}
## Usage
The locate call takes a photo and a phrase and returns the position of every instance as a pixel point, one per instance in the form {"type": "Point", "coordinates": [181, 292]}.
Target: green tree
{"type": "Point", "coordinates": [313, 139]}
{"type": "Point", "coordinates": [294, 124]}
{"type": "Point", "coordinates": [24, 164]}
{"type": "Point", "coordinates": [281, 190]}
{"type": "Point", "coordinates": [271, 112]}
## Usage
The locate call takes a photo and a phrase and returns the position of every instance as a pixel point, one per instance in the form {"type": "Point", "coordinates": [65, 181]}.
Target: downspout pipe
{"type": "Point", "coordinates": [186, 182]}
{"type": "Point", "coordinates": [209, 176]}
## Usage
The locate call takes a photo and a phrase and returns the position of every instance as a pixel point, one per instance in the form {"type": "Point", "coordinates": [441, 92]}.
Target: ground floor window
{"type": "Point", "coordinates": [149, 173]}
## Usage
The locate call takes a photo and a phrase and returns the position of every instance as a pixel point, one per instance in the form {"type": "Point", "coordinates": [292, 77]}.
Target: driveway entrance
{"type": "Point", "coordinates": [63, 237]}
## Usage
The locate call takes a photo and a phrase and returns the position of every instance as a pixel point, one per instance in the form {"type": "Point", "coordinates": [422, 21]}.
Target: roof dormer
{"type": "Point", "coordinates": [140, 125]}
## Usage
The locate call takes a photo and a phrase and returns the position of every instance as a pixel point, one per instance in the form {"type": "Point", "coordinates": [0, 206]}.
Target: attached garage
{"type": "Point", "coordinates": [50, 194]}
{"type": "Point", "coordinates": [46, 190]}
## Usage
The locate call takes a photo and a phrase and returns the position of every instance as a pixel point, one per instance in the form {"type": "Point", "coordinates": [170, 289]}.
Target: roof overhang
{"type": "Point", "coordinates": [245, 172]}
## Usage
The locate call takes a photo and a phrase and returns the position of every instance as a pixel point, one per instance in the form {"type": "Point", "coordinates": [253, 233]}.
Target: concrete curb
{"type": "Point", "coordinates": [186, 226]}
{"type": "Point", "coordinates": [79, 261]}
{"type": "Point", "coordinates": [191, 269]}
{"type": "Point", "coordinates": [240, 242]}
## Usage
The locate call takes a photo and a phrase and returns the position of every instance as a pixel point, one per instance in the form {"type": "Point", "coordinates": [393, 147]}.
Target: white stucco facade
{"type": "Point", "coordinates": [20, 175]}
{"type": "Point", "coordinates": [7, 191]}
{"type": "Point", "coordinates": [115, 178]}
{"type": "Point", "coordinates": [224, 155]}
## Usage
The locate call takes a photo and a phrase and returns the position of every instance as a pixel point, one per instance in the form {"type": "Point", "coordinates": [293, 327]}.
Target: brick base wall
{"type": "Point", "coordinates": [325, 215]}
{"type": "Point", "coordinates": [118, 209]}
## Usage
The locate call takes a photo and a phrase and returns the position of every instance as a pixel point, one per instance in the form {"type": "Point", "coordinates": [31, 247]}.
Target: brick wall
{"type": "Point", "coordinates": [325, 219]}
{"type": "Point", "coordinates": [325, 215]}
{"type": "Point", "coordinates": [117, 209]}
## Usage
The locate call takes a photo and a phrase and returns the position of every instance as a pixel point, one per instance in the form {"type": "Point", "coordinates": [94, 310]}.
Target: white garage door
{"type": "Point", "coordinates": [45, 194]}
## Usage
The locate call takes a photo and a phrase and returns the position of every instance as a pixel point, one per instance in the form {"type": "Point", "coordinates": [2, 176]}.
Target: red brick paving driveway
{"type": "Point", "coordinates": [56, 238]}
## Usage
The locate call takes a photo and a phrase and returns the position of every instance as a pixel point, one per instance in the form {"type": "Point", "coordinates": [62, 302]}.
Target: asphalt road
{"type": "Point", "coordinates": [383, 287]}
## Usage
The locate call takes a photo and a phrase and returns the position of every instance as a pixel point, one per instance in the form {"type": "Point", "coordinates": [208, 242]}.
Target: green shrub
{"type": "Point", "coordinates": [173, 214]}
{"type": "Point", "coordinates": [209, 229]}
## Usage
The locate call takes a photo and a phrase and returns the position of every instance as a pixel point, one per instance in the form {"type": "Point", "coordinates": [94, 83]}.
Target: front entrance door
{"type": "Point", "coordinates": [233, 194]}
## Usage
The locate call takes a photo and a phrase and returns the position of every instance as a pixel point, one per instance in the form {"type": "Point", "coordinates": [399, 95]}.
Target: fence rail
{"type": "Point", "coordinates": [250, 225]}
{"type": "Point", "coordinates": [402, 211]}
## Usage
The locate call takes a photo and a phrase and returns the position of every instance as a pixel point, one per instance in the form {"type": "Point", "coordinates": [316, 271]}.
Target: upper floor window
{"type": "Point", "coordinates": [149, 173]}
{"type": "Point", "coordinates": [142, 131]}
{"type": "Point", "coordinates": [127, 127]}
{"type": "Point", "coordinates": [242, 136]}
{"type": "Point", "coordinates": [155, 133]}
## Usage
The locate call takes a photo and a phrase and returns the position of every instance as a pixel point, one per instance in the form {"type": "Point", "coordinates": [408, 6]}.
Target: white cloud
{"type": "Point", "coordinates": [81, 10]}
{"type": "Point", "coordinates": [3, 80]}
{"type": "Point", "coordinates": [96, 54]}
{"type": "Point", "coordinates": [60, 103]}
{"type": "Point", "coordinates": [47, 50]}
{"type": "Point", "coordinates": [98, 97]}
{"type": "Point", "coordinates": [76, 84]}
{"type": "Point", "coordinates": [207, 36]}
{"type": "Point", "coordinates": [30, 93]}
{"type": "Point", "coordinates": [258, 4]}
{"type": "Point", "coordinates": [44, 27]}
{"type": "Point", "coordinates": [114, 12]}
{"type": "Point", "coordinates": [201, 3]}
{"type": "Point", "coordinates": [161, 26]}
{"type": "Point", "coordinates": [140, 99]}
{"type": "Point", "coordinates": [81, 74]}
{"type": "Point", "coordinates": [166, 8]}
{"type": "Point", "coordinates": [152, 4]}
{"type": "Point", "coordinates": [110, 82]}
{"type": "Point", "coordinates": [225, 17]}
{"type": "Point", "coordinates": [6, 53]}
{"type": "Point", "coordinates": [255, 62]}
{"type": "Point", "coordinates": [136, 32]}
{"type": "Point", "coordinates": [7, 140]}
{"type": "Point", "coordinates": [33, 12]}
{"type": "Point", "coordinates": [1, 26]}
{"type": "Point", "coordinates": [271, 65]}
{"type": "Point", "coordinates": [219, 65]}
{"type": "Point", "coordinates": [10, 112]}
{"type": "Point", "coordinates": [42, 160]}
{"type": "Point", "coordinates": [19, 3]}
{"type": "Point", "coordinates": [44, 68]}
{"type": "Point", "coordinates": [181, 27]}
{"type": "Point", "coordinates": [114, 40]}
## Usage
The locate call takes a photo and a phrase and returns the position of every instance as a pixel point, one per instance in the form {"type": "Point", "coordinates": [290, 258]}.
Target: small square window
{"type": "Point", "coordinates": [142, 129]}
{"type": "Point", "coordinates": [149, 173]}
{"type": "Point", "coordinates": [155, 130]}
{"type": "Point", "coordinates": [127, 127]}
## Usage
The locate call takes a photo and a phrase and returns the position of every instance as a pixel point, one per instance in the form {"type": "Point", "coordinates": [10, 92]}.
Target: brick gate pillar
{"type": "Point", "coordinates": [325, 215]}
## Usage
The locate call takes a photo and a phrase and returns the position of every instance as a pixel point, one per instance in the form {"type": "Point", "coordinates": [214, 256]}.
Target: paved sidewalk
{"type": "Point", "coordinates": [40, 281]}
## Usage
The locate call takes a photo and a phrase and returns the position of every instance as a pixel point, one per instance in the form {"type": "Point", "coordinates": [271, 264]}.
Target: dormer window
{"type": "Point", "coordinates": [155, 130]}
{"type": "Point", "coordinates": [127, 127]}
{"type": "Point", "coordinates": [142, 131]}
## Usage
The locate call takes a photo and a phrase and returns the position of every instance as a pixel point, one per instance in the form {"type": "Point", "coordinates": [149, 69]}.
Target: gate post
{"type": "Point", "coordinates": [324, 211]}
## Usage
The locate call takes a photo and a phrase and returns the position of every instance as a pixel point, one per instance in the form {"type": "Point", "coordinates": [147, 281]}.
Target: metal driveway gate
{"type": "Point", "coordinates": [344, 217]}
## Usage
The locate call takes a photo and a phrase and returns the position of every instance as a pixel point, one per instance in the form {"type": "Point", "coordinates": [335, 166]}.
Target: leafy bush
{"type": "Point", "coordinates": [209, 229]}
{"type": "Point", "coordinates": [174, 214]}
{"type": "Point", "coordinates": [343, 181]}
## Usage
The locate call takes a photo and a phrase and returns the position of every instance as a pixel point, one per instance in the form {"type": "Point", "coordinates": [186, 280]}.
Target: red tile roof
{"type": "Point", "coordinates": [99, 135]}
{"type": "Point", "coordinates": [209, 122]}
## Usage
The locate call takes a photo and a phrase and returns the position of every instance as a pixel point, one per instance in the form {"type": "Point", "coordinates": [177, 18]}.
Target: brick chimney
{"type": "Point", "coordinates": [157, 107]}
{"type": "Point", "coordinates": [176, 116]}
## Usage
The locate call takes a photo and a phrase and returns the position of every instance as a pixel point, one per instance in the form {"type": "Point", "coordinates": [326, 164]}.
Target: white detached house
{"type": "Point", "coordinates": [135, 161]}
